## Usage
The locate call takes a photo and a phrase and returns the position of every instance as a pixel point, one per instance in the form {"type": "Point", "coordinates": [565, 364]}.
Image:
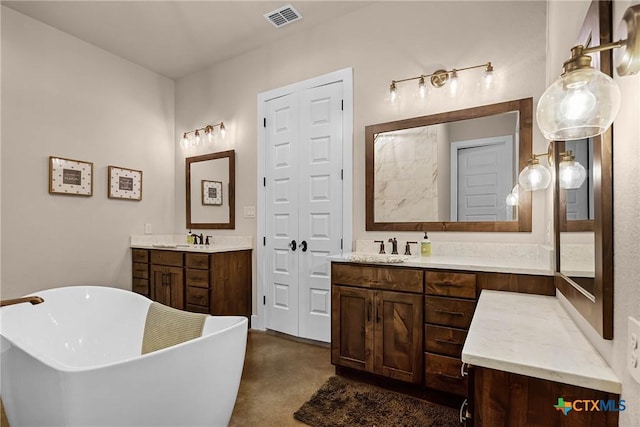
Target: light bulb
{"type": "Point", "coordinates": [197, 138]}
{"type": "Point", "coordinates": [185, 140]}
{"type": "Point", "coordinates": [488, 76]}
{"type": "Point", "coordinates": [453, 82]}
{"type": "Point", "coordinates": [223, 130]}
{"type": "Point", "coordinates": [572, 174]}
{"type": "Point", "coordinates": [393, 91]}
{"type": "Point", "coordinates": [209, 132]}
{"type": "Point", "coordinates": [422, 88]}
{"type": "Point", "coordinates": [534, 177]}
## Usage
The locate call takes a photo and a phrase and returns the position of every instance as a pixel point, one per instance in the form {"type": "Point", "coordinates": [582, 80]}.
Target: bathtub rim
{"type": "Point", "coordinates": [59, 366]}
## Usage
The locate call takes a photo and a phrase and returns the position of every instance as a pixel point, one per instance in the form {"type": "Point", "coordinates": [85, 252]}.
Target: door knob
{"type": "Point", "coordinates": [293, 245]}
{"type": "Point", "coordinates": [303, 246]}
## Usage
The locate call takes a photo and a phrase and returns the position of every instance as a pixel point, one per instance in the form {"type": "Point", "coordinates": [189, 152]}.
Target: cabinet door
{"type": "Point", "coordinates": [398, 335]}
{"type": "Point", "coordinates": [167, 284]}
{"type": "Point", "coordinates": [352, 327]}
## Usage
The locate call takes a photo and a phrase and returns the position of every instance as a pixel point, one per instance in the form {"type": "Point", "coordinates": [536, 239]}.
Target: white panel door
{"type": "Point", "coordinates": [303, 203]}
{"type": "Point", "coordinates": [281, 223]}
{"type": "Point", "coordinates": [320, 204]}
{"type": "Point", "coordinates": [484, 175]}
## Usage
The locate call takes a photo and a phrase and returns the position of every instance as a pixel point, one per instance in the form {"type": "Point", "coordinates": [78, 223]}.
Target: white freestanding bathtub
{"type": "Point", "coordinates": [74, 360]}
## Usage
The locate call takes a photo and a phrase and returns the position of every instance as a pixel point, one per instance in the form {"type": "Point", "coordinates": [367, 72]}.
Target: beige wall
{"type": "Point", "coordinates": [383, 41]}
{"type": "Point", "coordinates": [66, 98]}
{"type": "Point", "coordinates": [565, 19]}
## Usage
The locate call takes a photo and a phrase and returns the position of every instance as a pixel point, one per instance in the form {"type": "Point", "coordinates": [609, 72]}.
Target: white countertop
{"type": "Point", "coordinates": [178, 243]}
{"type": "Point", "coordinates": [532, 335]}
{"type": "Point", "coordinates": [472, 263]}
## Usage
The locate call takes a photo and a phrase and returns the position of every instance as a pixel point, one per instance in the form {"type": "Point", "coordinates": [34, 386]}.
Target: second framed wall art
{"type": "Point", "coordinates": [125, 183]}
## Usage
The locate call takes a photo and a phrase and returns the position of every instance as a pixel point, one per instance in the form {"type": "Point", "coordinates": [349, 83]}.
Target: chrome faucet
{"type": "Point", "coordinates": [381, 246]}
{"type": "Point", "coordinates": [394, 246]}
{"type": "Point", "coordinates": [33, 300]}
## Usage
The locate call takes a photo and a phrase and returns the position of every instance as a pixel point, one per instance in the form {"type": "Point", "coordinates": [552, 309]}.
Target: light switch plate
{"type": "Point", "coordinates": [147, 228]}
{"type": "Point", "coordinates": [249, 211]}
{"type": "Point", "coordinates": [633, 350]}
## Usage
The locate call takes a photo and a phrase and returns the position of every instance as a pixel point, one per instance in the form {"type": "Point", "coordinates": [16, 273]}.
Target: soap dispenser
{"type": "Point", "coordinates": [425, 246]}
{"type": "Point", "coordinates": [190, 238]}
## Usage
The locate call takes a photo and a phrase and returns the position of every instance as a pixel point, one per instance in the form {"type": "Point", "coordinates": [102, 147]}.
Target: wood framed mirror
{"type": "Point", "coordinates": [210, 190]}
{"type": "Point", "coordinates": [450, 171]}
{"type": "Point", "coordinates": [584, 232]}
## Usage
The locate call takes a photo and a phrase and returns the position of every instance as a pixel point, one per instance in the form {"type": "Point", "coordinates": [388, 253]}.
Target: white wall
{"type": "Point", "coordinates": [66, 98]}
{"type": "Point", "coordinates": [565, 20]}
{"type": "Point", "coordinates": [383, 41]}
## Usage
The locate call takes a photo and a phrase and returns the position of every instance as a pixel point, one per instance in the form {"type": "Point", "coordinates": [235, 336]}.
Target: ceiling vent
{"type": "Point", "coordinates": [283, 16]}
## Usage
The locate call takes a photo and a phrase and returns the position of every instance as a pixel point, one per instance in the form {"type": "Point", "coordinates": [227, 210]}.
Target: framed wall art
{"type": "Point", "coordinates": [211, 192]}
{"type": "Point", "coordinates": [70, 177]}
{"type": "Point", "coordinates": [124, 183]}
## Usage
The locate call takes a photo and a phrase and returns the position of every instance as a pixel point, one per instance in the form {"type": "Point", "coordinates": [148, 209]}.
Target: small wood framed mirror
{"type": "Point", "coordinates": [210, 191]}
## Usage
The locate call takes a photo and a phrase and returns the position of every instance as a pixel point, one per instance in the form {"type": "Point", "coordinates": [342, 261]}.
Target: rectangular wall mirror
{"type": "Point", "coordinates": [584, 216]}
{"type": "Point", "coordinates": [450, 171]}
{"type": "Point", "coordinates": [210, 190]}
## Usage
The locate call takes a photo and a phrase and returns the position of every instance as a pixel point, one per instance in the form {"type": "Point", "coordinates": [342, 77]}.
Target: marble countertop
{"type": "Point", "coordinates": [532, 335]}
{"type": "Point", "coordinates": [450, 262]}
{"type": "Point", "coordinates": [177, 243]}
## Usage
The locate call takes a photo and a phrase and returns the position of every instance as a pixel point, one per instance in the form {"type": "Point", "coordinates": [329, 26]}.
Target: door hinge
{"type": "Point", "coordinates": [264, 122]}
{"type": "Point", "coordinates": [340, 243]}
{"type": "Point", "coordinates": [264, 181]}
{"type": "Point", "coordinates": [264, 300]}
{"type": "Point", "coordinates": [264, 241]}
{"type": "Point", "coordinates": [342, 174]}
{"type": "Point", "coordinates": [342, 105]}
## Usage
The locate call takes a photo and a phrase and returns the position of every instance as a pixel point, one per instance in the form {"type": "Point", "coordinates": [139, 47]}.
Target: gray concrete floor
{"type": "Point", "coordinates": [279, 375]}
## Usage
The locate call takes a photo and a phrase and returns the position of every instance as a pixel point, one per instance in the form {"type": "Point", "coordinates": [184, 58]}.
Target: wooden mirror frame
{"type": "Point", "coordinates": [231, 192]}
{"type": "Point", "coordinates": [597, 309]}
{"type": "Point", "coordinates": [523, 224]}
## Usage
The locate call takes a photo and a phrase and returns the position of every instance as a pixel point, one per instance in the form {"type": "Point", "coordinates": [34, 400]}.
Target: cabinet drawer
{"type": "Point", "coordinates": [166, 258]}
{"type": "Point", "coordinates": [448, 311]}
{"type": "Point", "coordinates": [197, 296]}
{"type": "Point", "coordinates": [443, 373]}
{"type": "Point", "coordinates": [199, 278]}
{"type": "Point", "coordinates": [197, 261]}
{"type": "Point", "coordinates": [140, 271]}
{"type": "Point", "coordinates": [140, 286]}
{"type": "Point", "coordinates": [140, 255]}
{"type": "Point", "coordinates": [443, 340]}
{"type": "Point", "coordinates": [197, 309]}
{"type": "Point", "coordinates": [461, 285]}
{"type": "Point", "coordinates": [364, 276]}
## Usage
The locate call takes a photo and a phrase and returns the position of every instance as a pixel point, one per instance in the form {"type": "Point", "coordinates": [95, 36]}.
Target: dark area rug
{"type": "Point", "coordinates": [342, 402]}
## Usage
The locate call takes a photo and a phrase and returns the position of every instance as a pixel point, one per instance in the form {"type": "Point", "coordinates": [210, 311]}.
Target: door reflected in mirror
{"type": "Point", "coordinates": [210, 190]}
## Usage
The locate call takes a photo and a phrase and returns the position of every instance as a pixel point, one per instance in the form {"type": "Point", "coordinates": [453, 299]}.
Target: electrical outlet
{"type": "Point", "coordinates": [147, 229]}
{"type": "Point", "coordinates": [633, 353]}
{"type": "Point", "coordinates": [249, 211]}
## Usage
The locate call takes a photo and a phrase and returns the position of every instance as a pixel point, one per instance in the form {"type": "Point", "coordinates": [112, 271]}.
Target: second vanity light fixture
{"type": "Point", "coordinates": [441, 77]}
{"type": "Point", "coordinates": [537, 177]}
{"type": "Point", "coordinates": [198, 134]}
{"type": "Point", "coordinates": [583, 101]}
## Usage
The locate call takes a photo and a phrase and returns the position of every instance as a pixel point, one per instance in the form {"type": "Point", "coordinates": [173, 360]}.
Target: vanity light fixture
{"type": "Point", "coordinates": [583, 101]}
{"type": "Point", "coordinates": [537, 177]}
{"type": "Point", "coordinates": [514, 197]}
{"type": "Point", "coordinates": [208, 131]}
{"type": "Point", "coordinates": [439, 78]}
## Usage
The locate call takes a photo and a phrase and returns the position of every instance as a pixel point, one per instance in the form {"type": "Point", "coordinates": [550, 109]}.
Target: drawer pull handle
{"type": "Point", "coordinates": [447, 342]}
{"type": "Point", "coordinates": [464, 414]}
{"type": "Point", "coordinates": [464, 369]}
{"type": "Point", "coordinates": [451, 377]}
{"type": "Point", "coordinates": [450, 284]}
{"type": "Point", "coordinates": [450, 313]}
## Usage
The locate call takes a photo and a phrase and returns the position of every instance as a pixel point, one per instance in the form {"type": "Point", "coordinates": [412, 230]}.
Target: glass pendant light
{"type": "Point", "coordinates": [393, 91]}
{"type": "Point", "coordinates": [185, 140]}
{"type": "Point", "coordinates": [453, 82]}
{"type": "Point", "coordinates": [534, 176]}
{"type": "Point", "coordinates": [488, 76]}
{"type": "Point", "coordinates": [514, 197]}
{"type": "Point", "coordinates": [197, 137]}
{"type": "Point", "coordinates": [422, 87]}
{"type": "Point", "coordinates": [572, 174]}
{"type": "Point", "coordinates": [581, 103]}
{"type": "Point", "coordinates": [223, 130]}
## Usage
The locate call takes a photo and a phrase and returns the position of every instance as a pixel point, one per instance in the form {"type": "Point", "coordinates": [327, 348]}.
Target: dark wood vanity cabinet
{"type": "Point", "coordinates": [377, 320]}
{"type": "Point", "coordinates": [449, 303]}
{"type": "Point", "coordinates": [216, 283]}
